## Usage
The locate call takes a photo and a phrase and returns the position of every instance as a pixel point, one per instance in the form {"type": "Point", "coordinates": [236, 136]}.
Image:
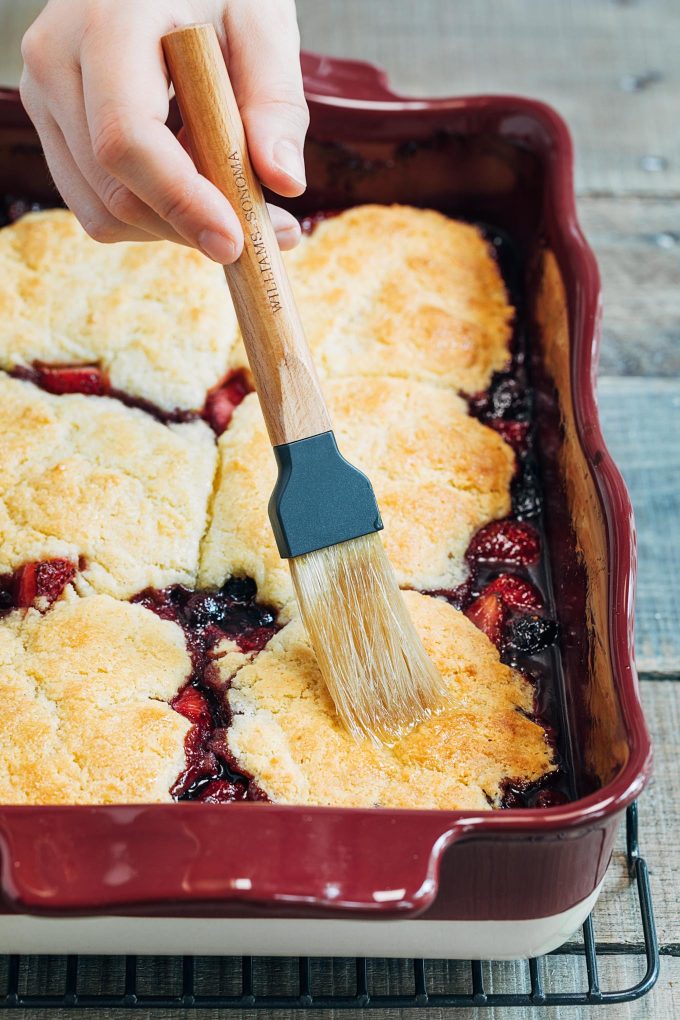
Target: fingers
{"type": "Point", "coordinates": [132, 144]}
{"type": "Point", "coordinates": [286, 227]}
{"type": "Point", "coordinates": [91, 211]}
{"type": "Point", "coordinates": [263, 57]}
{"type": "Point", "coordinates": [119, 215]}
{"type": "Point", "coordinates": [96, 88]}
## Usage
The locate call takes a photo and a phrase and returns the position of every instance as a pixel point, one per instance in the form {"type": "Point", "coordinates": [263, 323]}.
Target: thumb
{"type": "Point", "coordinates": [263, 56]}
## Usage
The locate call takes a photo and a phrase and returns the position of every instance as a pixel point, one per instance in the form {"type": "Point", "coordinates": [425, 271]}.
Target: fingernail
{"type": "Point", "coordinates": [288, 157]}
{"type": "Point", "coordinates": [218, 247]}
{"type": "Point", "coordinates": [288, 237]}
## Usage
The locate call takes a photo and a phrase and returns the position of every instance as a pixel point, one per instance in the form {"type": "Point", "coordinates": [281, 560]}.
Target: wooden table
{"type": "Point", "coordinates": [608, 68]}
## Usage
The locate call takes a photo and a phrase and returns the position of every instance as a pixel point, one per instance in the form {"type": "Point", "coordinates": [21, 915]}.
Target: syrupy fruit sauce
{"type": "Point", "coordinates": [37, 584]}
{"type": "Point", "coordinates": [91, 380]}
{"type": "Point", "coordinates": [508, 594]}
{"type": "Point", "coordinates": [207, 618]}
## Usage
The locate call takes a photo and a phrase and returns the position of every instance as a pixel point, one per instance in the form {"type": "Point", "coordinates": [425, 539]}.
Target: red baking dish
{"type": "Point", "coordinates": [265, 878]}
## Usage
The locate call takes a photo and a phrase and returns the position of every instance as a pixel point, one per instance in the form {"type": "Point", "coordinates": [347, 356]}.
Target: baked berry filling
{"type": "Point", "coordinates": [88, 379]}
{"type": "Point", "coordinates": [547, 792]}
{"type": "Point", "coordinates": [208, 618]}
{"type": "Point", "coordinates": [308, 224]}
{"type": "Point", "coordinates": [501, 596]}
{"type": "Point", "coordinates": [223, 400]}
{"type": "Point", "coordinates": [507, 541]}
{"type": "Point", "coordinates": [13, 207]}
{"type": "Point", "coordinates": [516, 592]}
{"type": "Point", "coordinates": [91, 380]}
{"type": "Point", "coordinates": [35, 585]}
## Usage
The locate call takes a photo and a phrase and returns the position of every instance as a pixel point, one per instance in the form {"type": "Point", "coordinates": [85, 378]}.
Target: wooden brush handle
{"type": "Point", "coordinates": [285, 379]}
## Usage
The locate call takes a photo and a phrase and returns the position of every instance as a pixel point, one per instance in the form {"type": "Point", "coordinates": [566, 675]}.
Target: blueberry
{"type": "Point", "coordinates": [508, 399]}
{"type": "Point", "coordinates": [6, 600]}
{"type": "Point", "coordinates": [239, 589]}
{"type": "Point", "coordinates": [526, 494]}
{"type": "Point", "coordinates": [513, 797]}
{"type": "Point", "coordinates": [203, 609]}
{"type": "Point", "coordinates": [265, 617]}
{"type": "Point", "coordinates": [530, 634]}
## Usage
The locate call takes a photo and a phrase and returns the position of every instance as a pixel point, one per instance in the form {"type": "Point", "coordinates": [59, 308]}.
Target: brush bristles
{"type": "Point", "coordinates": [371, 657]}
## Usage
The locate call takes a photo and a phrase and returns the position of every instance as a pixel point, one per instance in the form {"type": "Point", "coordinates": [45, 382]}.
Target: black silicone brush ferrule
{"type": "Point", "coordinates": [319, 498]}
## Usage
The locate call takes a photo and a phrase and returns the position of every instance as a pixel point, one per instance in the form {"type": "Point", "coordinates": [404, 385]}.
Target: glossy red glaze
{"type": "Point", "coordinates": [507, 161]}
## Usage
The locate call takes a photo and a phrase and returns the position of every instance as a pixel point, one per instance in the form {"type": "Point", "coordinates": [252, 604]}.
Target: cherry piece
{"type": "Point", "coordinates": [88, 379]}
{"type": "Point", "coordinates": [516, 433]}
{"type": "Point", "coordinates": [222, 401]}
{"type": "Point", "coordinates": [515, 592]}
{"type": "Point", "coordinates": [45, 579]}
{"type": "Point", "coordinates": [457, 597]}
{"type": "Point", "coordinates": [192, 704]}
{"type": "Point", "coordinates": [550, 798]}
{"type": "Point", "coordinates": [488, 614]}
{"type": "Point", "coordinates": [221, 791]}
{"type": "Point", "coordinates": [544, 793]}
{"type": "Point", "coordinates": [531, 634]}
{"type": "Point", "coordinates": [507, 541]}
{"type": "Point", "coordinates": [254, 640]}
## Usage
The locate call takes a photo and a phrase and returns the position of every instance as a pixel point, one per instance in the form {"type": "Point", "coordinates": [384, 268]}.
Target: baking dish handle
{"type": "Point", "coordinates": [345, 79]}
{"type": "Point", "coordinates": [175, 859]}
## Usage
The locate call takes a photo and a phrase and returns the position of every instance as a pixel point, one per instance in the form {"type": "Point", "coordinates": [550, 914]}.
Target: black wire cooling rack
{"type": "Point", "coordinates": [82, 982]}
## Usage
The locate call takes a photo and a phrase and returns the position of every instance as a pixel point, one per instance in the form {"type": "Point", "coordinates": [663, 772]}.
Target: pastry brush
{"type": "Point", "coordinates": [323, 510]}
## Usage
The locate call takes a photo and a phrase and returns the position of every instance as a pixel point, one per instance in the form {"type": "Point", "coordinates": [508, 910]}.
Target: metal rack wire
{"type": "Point", "coordinates": [74, 982]}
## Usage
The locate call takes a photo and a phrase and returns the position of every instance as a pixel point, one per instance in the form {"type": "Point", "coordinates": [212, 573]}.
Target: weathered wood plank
{"type": "Point", "coordinates": [663, 1003]}
{"type": "Point", "coordinates": [616, 915]}
{"type": "Point", "coordinates": [637, 244]}
{"type": "Point", "coordinates": [609, 68]}
{"type": "Point", "coordinates": [641, 422]}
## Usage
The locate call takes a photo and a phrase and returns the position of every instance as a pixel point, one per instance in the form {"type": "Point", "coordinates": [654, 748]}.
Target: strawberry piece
{"type": "Point", "coordinates": [221, 791]}
{"type": "Point", "coordinates": [60, 379]}
{"type": "Point", "coordinates": [46, 579]}
{"type": "Point", "coordinates": [458, 597]}
{"type": "Point", "coordinates": [28, 585]}
{"type": "Point", "coordinates": [516, 593]}
{"type": "Point", "coordinates": [223, 401]}
{"type": "Point", "coordinates": [516, 433]}
{"type": "Point", "coordinates": [254, 640]}
{"type": "Point", "coordinates": [488, 614]}
{"type": "Point", "coordinates": [193, 706]}
{"type": "Point", "coordinates": [508, 541]}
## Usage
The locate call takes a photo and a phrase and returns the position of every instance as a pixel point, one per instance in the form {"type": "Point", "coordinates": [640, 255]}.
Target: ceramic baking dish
{"type": "Point", "coordinates": [260, 878]}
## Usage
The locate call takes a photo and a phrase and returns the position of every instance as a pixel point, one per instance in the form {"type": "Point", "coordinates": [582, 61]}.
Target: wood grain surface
{"type": "Point", "coordinates": [611, 69]}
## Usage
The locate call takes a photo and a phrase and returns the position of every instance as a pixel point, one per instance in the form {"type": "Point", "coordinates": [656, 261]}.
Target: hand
{"type": "Point", "coordinates": [96, 87]}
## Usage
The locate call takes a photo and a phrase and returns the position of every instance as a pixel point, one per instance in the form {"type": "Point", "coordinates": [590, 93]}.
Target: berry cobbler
{"type": "Point", "coordinates": [150, 645]}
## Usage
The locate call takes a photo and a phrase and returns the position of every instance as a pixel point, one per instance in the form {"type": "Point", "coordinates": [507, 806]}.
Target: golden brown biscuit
{"type": "Point", "coordinates": [438, 476]}
{"type": "Point", "coordinates": [157, 317]}
{"type": "Point", "coordinates": [393, 290]}
{"type": "Point", "coordinates": [88, 477]}
{"type": "Point", "coordinates": [286, 734]}
{"type": "Point", "coordinates": [85, 692]}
